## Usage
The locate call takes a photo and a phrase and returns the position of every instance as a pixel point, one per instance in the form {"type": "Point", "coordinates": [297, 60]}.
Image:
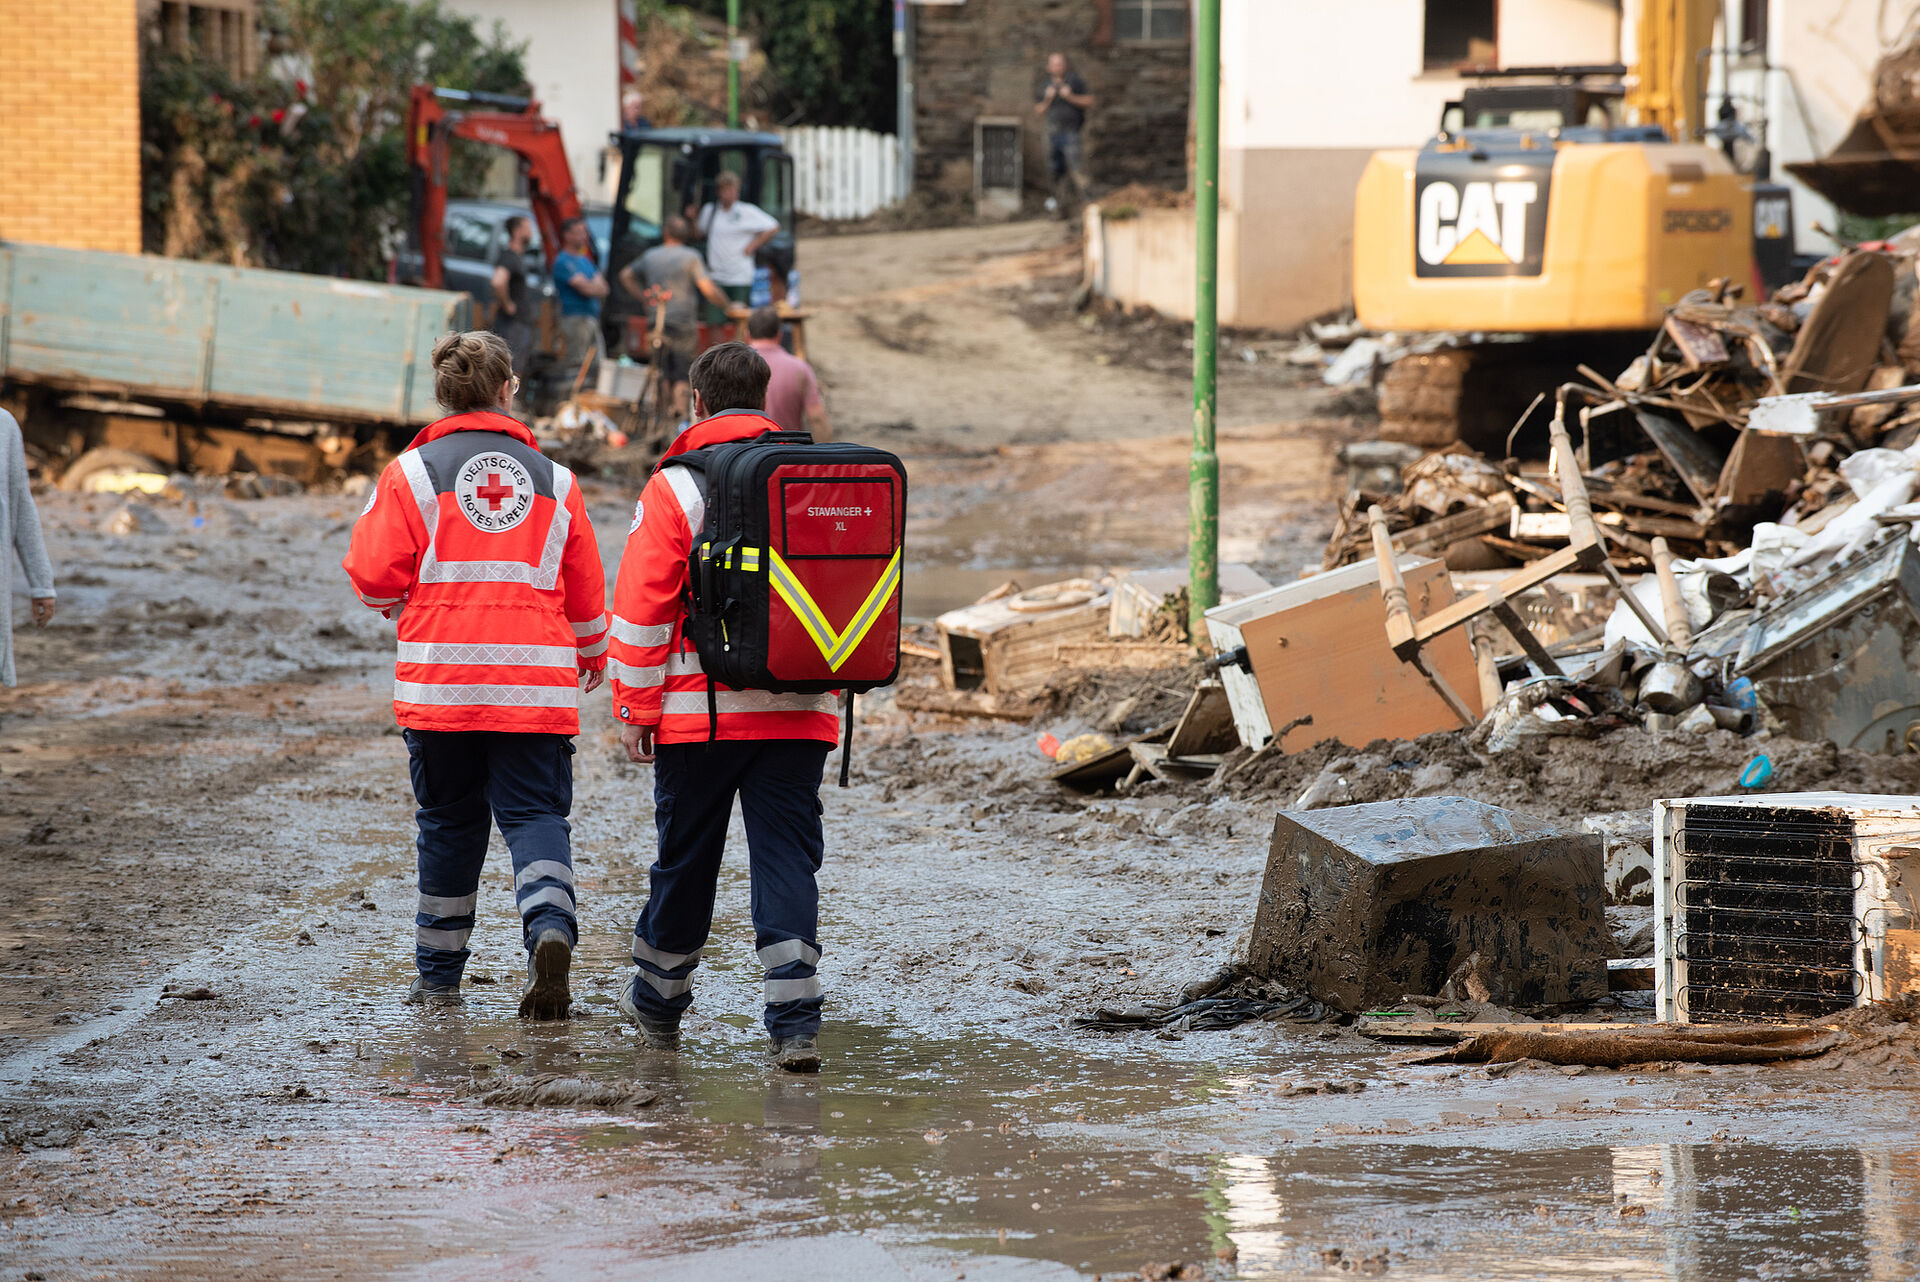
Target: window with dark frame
{"type": "Point", "coordinates": [1460, 33]}
{"type": "Point", "coordinates": [1753, 26]}
{"type": "Point", "coordinates": [1138, 21]}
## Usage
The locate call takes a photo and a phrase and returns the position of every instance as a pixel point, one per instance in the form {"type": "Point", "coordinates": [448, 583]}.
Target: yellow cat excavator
{"type": "Point", "coordinates": [1553, 219]}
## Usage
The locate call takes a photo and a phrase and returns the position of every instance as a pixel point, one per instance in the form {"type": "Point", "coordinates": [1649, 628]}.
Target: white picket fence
{"type": "Point", "coordinates": [843, 173]}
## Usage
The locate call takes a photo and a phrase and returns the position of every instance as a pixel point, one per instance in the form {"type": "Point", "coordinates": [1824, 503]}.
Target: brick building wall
{"type": "Point", "coordinates": [987, 57]}
{"type": "Point", "coordinates": [70, 123]}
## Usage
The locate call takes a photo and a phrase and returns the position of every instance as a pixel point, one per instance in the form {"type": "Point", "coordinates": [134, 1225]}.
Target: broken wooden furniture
{"type": "Point", "coordinates": [1151, 604]}
{"type": "Point", "coordinates": [1586, 550]}
{"type": "Point", "coordinates": [1009, 646]}
{"type": "Point", "coordinates": [1309, 658]}
{"type": "Point", "coordinates": [1364, 904]}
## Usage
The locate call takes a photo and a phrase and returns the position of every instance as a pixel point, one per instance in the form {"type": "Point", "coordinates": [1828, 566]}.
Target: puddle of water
{"type": "Point", "coordinates": [1671, 1211]}
{"type": "Point", "coordinates": [1004, 1146]}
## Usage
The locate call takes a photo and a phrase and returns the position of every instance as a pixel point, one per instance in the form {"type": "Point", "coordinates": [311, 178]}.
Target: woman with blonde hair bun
{"type": "Point", "coordinates": [479, 546]}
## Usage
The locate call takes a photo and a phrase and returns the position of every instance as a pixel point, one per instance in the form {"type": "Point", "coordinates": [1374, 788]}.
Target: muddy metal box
{"type": "Point", "coordinates": [1784, 905]}
{"type": "Point", "coordinates": [1364, 904]}
{"type": "Point", "coordinates": [1840, 659]}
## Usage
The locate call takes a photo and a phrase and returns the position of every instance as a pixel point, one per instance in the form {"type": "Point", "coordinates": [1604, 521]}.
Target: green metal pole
{"type": "Point", "coordinates": [733, 66]}
{"type": "Point", "coordinates": [1203, 468]}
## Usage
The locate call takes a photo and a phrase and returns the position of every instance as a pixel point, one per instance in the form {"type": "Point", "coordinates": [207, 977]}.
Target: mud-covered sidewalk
{"type": "Point", "coordinates": [205, 831]}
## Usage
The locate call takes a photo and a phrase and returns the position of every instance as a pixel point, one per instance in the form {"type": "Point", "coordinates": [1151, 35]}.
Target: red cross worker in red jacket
{"type": "Point", "coordinates": [766, 748]}
{"type": "Point", "coordinates": [480, 547]}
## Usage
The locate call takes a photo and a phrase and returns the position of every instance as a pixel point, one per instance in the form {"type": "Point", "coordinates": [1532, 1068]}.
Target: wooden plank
{"type": "Point", "coordinates": [1664, 526]}
{"type": "Point", "coordinates": [1759, 469]}
{"type": "Point", "coordinates": [1697, 462]}
{"type": "Point", "coordinates": [1158, 762]}
{"type": "Point", "coordinates": [1096, 772]}
{"type": "Point", "coordinates": [965, 703]}
{"type": "Point", "coordinates": [1699, 345]}
{"type": "Point", "coordinates": [1133, 656]}
{"type": "Point", "coordinates": [1441, 1032]}
{"type": "Point", "coordinates": [1206, 725]}
{"type": "Point", "coordinates": [1438, 536]}
{"type": "Point", "coordinates": [1527, 577]}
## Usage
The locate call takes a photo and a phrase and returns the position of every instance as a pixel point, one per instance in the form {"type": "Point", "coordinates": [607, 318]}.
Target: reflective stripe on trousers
{"type": "Point", "coordinates": [466, 782]}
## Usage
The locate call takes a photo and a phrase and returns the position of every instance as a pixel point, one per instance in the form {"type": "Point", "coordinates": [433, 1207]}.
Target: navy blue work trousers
{"type": "Point", "coordinates": [694, 784]}
{"type": "Point", "coordinates": [465, 782]}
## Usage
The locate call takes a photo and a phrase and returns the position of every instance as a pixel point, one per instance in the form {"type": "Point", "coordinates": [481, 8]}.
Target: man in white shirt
{"type": "Point", "coordinates": [735, 230]}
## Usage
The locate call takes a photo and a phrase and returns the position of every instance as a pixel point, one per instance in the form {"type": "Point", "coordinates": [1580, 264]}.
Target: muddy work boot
{"type": "Point", "coordinates": [795, 1054]}
{"type": "Point", "coordinates": [547, 995]}
{"type": "Point", "coordinates": [661, 1034]}
{"type": "Point", "coordinates": [424, 994]}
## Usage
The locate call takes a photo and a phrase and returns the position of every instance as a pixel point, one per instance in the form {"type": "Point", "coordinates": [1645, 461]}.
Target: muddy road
{"type": "Point", "coordinates": [205, 832]}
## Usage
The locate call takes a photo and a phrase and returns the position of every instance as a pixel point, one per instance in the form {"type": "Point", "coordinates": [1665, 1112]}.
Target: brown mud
{"type": "Point", "coordinates": [205, 829]}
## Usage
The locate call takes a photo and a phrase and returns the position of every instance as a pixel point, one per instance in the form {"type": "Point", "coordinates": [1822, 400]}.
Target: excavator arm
{"type": "Point", "coordinates": [436, 115]}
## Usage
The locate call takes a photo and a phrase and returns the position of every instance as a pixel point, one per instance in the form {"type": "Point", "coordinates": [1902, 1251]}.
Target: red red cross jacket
{"type": "Point", "coordinates": [655, 672]}
{"type": "Point", "coordinates": [481, 547]}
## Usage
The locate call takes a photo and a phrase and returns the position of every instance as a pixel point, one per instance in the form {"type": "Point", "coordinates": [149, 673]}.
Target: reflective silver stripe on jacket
{"type": "Point", "coordinates": [433, 570]}
{"type": "Point", "coordinates": [593, 651]}
{"type": "Point", "coordinates": [645, 952]}
{"type": "Point", "coordinates": [694, 702]}
{"type": "Point", "coordinates": [414, 468]}
{"type": "Point", "coordinates": [511, 656]}
{"type": "Point", "coordinates": [792, 990]}
{"type": "Point", "coordinates": [687, 490]}
{"type": "Point", "coordinates": [774, 956]}
{"type": "Point", "coordinates": [685, 663]}
{"type": "Point", "coordinates": [627, 632]}
{"type": "Point", "coordinates": [639, 678]}
{"type": "Point", "coordinates": [491, 696]}
{"type": "Point", "coordinates": [448, 905]}
{"type": "Point", "coordinates": [590, 628]}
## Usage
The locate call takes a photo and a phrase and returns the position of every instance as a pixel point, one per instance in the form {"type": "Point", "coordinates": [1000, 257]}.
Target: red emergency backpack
{"type": "Point", "coordinates": [793, 583]}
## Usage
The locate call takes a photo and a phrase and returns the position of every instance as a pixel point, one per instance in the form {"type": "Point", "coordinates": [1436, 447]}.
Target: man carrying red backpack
{"type": "Point", "coordinates": [812, 606]}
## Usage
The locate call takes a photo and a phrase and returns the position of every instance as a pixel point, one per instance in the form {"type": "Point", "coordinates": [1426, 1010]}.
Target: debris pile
{"type": "Point", "coordinates": [1757, 466]}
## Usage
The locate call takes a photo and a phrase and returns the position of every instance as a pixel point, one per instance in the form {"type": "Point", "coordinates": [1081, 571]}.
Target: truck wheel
{"type": "Point", "coordinates": [110, 470]}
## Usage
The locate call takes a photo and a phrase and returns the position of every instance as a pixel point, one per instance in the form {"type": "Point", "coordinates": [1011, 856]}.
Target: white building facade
{"type": "Point", "coordinates": [573, 60]}
{"type": "Point", "coordinates": [1310, 90]}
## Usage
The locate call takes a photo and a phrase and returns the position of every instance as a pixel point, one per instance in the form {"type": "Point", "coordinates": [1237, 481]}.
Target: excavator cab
{"type": "Point", "coordinates": [669, 171]}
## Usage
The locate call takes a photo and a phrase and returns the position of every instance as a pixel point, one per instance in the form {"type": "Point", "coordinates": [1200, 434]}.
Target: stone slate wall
{"type": "Point", "coordinates": [987, 57]}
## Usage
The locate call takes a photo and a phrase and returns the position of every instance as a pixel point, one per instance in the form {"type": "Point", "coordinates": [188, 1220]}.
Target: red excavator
{"type": "Point", "coordinates": [501, 121]}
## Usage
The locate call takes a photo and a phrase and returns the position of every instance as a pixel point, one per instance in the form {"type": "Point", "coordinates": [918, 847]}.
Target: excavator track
{"type": "Point", "coordinates": [1473, 394]}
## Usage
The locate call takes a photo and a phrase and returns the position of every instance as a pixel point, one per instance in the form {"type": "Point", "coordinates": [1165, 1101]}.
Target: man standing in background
{"type": "Point", "coordinates": [512, 313]}
{"type": "Point", "coordinates": [633, 111]}
{"type": "Point", "coordinates": [669, 280]}
{"type": "Point", "coordinates": [735, 230]}
{"type": "Point", "coordinates": [579, 287]}
{"type": "Point", "coordinates": [1063, 99]}
{"type": "Point", "coordinates": [793, 391]}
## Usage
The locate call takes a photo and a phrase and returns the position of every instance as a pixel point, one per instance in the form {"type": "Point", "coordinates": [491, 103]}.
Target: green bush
{"type": "Point", "coordinates": [304, 165]}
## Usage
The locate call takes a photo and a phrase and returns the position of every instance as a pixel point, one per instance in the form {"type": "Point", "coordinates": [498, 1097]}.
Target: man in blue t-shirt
{"type": "Point", "coordinates": [579, 287]}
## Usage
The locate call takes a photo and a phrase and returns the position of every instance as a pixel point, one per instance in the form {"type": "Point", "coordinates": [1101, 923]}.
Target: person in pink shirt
{"type": "Point", "coordinates": [793, 393]}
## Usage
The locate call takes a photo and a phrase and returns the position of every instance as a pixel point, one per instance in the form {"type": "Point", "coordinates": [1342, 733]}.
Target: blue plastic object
{"type": "Point", "coordinates": [1741, 694]}
{"type": "Point", "coordinates": [1757, 772]}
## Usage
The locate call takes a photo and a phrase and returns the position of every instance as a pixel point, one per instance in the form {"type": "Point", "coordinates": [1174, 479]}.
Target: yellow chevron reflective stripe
{"type": "Point", "coordinates": [835, 647]}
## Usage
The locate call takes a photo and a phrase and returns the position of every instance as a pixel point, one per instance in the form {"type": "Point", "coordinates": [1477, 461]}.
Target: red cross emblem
{"type": "Point", "coordinates": [494, 492]}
